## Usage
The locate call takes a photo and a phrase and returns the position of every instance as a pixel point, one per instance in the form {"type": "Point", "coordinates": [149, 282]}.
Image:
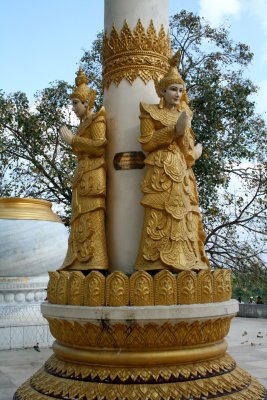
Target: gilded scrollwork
{"type": "Point", "coordinates": [76, 288]}
{"type": "Point", "coordinates": [218, 285]}
{"type": "Point", "coordinates": [235, 384]}
{"type": "Point", "coordinates": [62, 288]}
{"type": "Point", "coordinates": [138, 53]}
{"type": "Point", "coordinates": [141, 289]}
{"type": "Point", "coordinates": [144, 337]}
{"type": "Point", "coordinates": [117, 289]}
{"type": "Point", "coordinates": [52, 287]}
{"type": "Point", "coordinates": [187, 287]}
{"type": "Point", "coordinates": [165, 288]}
{"type": "Point", "coordinates": [205, 287]}
{"type": "Point", "coordinates": [227, 284]}
{"type": "Point", "coordinates": [220, 365]}
{"type": "Point", "coordinates": [94, 289]}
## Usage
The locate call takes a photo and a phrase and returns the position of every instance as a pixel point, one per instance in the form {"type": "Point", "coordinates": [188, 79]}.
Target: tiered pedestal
{"type": "Point", "coordinates": [151, 352]}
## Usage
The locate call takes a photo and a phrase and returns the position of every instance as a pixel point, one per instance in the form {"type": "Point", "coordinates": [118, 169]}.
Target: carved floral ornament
{"type": "Point", "coordinates": [138, 53]}
{"type": "Point", "coordinates": [140, 289]}
{"type": "Point", "coordinates": [235, 384]}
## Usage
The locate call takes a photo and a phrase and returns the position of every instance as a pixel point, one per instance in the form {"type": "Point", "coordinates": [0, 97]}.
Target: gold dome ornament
{"type": "Point", "coordinates": [82, 91]}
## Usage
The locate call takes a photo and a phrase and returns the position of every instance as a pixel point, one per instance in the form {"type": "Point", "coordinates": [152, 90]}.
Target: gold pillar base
{"type": "Point", "coordinates": [219, 378]}
{"type": "Point", "coordinates": [115, 357]}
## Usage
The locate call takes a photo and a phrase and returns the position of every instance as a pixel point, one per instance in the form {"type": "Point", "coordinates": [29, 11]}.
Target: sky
{"type": "Point", "coordinates": [43, 40]}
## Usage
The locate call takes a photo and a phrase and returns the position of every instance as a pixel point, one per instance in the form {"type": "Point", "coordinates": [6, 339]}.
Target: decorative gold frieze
{"type": "Point", "coordinates": [227, 285]}
{"type": "Point", "coordinates": [236, 384]}
{"type": "Point", "coordinates": [165, 288]}
{"type": "Point", "coordinates": [205, 287]}
{"type": "Point", "coordinates": [218, 282]}
{"type": "Point", "coordinates": [187, 287]}
{"type": "Point", "coordinates": [62, 288]}
{"type": "Point", "coordinates": [52, 287]}
{"type": "Point", "coordinates": [76, 288]}
{"type": "Point", "coordinates": [94, 289]}
{"type": "Point", "coordinates": [149, 336]}
{"type": "Point", "coordinates": [138, 53]}
{"type": "Point", "coordinates": [141, 289]}
{"type": "Point", "coordinates": [220, 365]}
{"type": "Point", "coordinates": [117, 289]}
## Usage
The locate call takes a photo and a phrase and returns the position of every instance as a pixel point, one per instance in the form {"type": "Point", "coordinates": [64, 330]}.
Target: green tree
{"type": "Point", "coordinates": [34, 161]}
{"type": "Point", "coordinates": [231, 173]}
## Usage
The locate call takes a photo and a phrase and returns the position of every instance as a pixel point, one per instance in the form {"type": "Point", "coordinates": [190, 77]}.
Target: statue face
{"type": "Point", "coordinates": [172, 95]}
{"type": "Point", "coordinates": [79, 107]}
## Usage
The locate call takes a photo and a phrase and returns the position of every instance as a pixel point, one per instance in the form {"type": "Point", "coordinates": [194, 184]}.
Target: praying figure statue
{"type": "Point", "coordinates": [172, 236]}
{"type": "Point", "coordinates": [87, 241]}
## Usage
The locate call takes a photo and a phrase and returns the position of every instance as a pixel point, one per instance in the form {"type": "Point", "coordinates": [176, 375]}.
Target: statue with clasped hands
{"type": "Point", "coordinates": [172, 236]}
{"type": "Point", "coordinates": [87, 241]}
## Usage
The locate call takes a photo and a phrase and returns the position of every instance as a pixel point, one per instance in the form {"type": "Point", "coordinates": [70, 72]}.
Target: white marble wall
{"type": "Point", "coordinates": [31, 247]}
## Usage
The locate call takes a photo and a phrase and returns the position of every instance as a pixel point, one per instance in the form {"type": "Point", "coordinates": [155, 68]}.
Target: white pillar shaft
{"type": "Point", "coordinates": [124, 212]}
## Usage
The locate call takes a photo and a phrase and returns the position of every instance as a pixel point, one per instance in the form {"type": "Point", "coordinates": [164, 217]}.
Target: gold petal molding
{"type": "Point", "coordinates": [140, 289]}
{"type": "Point", "coordinates": [138, 53]}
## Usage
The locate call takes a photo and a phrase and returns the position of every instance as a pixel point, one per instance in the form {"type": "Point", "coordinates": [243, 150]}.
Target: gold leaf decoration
{"type": "Point", "coordinates": [205, 287]}
{"type": "Point", "coordinates": [52, 287]}
{"type": "Point", "coordinates": [141, 289]}
{"type": "Point", "coordinates": [94, 289]}
{"type": "Point", "coordinates": [113, 290]}
{"type": "Point", "coordinates": [218, 282]}
{"type": "Point", "coordinates": [76, 288]}
{"type": "Point", "coordinates": [143, 337]}
{"type": "Point", "coordinates": [187, 287]}
{"type": "Point", "coordinates": [138, 53]}
{"type": "Point", "coordinates": [165, 288]}
{"type": "Point", "coordinates": [62, 288]}
{"type": "Point", "coordinates": [117, 289]}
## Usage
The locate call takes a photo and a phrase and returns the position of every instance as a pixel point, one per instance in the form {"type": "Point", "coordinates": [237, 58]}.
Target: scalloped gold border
{"type": "Point", "coordinates": [132, 336]}
{"type": "Point", "coordinates": [138, 53]}
{"type": "Point", "coordinates": [140, 289]}
{"type": "Point", "coordinates": [233, 385]}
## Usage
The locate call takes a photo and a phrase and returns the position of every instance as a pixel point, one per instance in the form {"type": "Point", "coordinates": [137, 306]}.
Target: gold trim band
{"type": "Point", "coordinates": [26, 208]}
{"type": "Point", "coordinates": [139, 53]}
{"type": "Point", "coordinates": [138, 358]}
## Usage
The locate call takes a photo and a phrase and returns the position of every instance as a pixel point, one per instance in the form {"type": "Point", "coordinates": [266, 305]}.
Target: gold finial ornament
{"type": "Point", "coordinates": [82, 91]}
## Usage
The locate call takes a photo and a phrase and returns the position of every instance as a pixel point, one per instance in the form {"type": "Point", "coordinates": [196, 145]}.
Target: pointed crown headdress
{"type": "Point", "coordinates": [172, 76]}
{"type": "Point", "coordinates": [82, 91]}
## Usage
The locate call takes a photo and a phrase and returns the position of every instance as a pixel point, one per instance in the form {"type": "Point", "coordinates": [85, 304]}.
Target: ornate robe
{"type": "Point", "coordinates": [173, 235]}
{"type": "Point", "coordinates": [87, 241]}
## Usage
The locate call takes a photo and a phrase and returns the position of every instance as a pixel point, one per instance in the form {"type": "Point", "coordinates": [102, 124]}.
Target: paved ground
{"type": "Point", "coordinates": [247, 341]}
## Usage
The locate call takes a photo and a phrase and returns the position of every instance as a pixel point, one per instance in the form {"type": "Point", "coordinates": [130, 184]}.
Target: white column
{"type": "Point", "coordinates": [124, 212]}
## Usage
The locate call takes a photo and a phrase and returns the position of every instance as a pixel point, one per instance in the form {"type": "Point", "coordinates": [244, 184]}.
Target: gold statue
{"type": "Point", "coordinates": [87, 241]}
{"type": "Point", "coordinates": [173, 236]}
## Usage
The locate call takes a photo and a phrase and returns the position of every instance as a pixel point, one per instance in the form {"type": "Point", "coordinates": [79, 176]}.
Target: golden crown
{"type": "Point", "coordinates": [172, 75]}
{"type": "Point", "coordinates": [82, 91]}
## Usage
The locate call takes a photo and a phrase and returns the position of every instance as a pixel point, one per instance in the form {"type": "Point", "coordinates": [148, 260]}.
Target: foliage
{"type": "Point", "coordinates": [34, 161]}
{"type": "Point", "coordinates": [231, 173]}
{"type": "Point", "coordinates": [251, 280]}
{"type": "Point", "coordinates": [91, 63]}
